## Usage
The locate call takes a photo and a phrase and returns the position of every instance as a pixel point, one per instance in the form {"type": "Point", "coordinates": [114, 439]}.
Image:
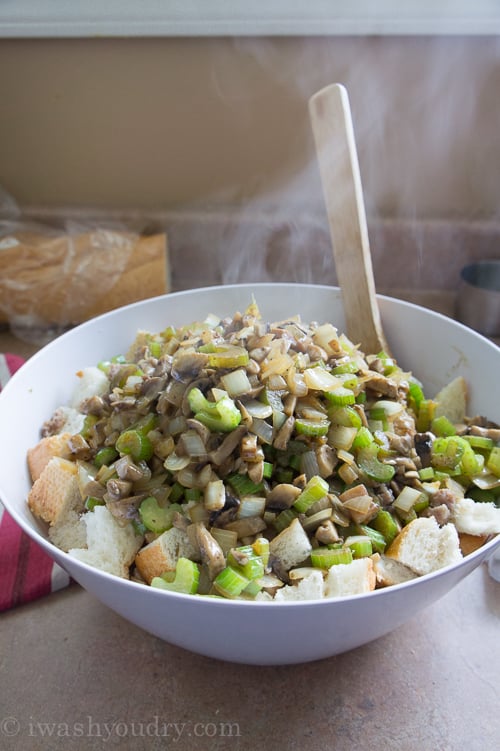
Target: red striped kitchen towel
{"type": "Point", "coordinates": [26, 571]}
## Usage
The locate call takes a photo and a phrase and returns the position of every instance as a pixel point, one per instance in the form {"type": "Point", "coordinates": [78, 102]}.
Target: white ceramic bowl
{"type": "Point", "coordinates": [434, 347]}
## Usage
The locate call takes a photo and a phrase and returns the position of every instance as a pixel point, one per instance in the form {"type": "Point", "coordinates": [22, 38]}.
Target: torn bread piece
{"type": "Point", "coordinates": [55, 497]}
{"type": "Point", "coordinates": [291, 546]}
{"type": "Point", "coordinates": [451, 401]}
{"type": "Point", "coordinates": [424, 546]}
{"type": "Point", "coordinates": [390, 571]}
{"type": "Point", "coordinates": [163, 553]}
{"type": "Point", "coordinates": [310, 587]}
{"type": "Point", "coordinates": [475, 517]}
{"type": "Point", "coordinates": [110, 546]}
{"type": "Point", "coordinates": [49, 447]}
{"type": "Point", "coordinates": [353, 578]}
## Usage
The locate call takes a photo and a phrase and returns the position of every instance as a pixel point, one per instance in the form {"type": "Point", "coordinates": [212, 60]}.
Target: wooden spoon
{"type": "Point", "coordinates": [340, 176]}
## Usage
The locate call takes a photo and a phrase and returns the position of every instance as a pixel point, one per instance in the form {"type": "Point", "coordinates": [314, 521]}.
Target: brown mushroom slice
{"type": "Point", "coordinates": [282, 496]}
{"type": "Point", "coordinates": [228, 445]}
{"type": "Point", "coordinates": [210, 551]}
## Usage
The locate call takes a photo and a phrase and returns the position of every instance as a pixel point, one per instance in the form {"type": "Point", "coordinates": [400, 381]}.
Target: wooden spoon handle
{"type": "Point", "coordinates": [340, 176]}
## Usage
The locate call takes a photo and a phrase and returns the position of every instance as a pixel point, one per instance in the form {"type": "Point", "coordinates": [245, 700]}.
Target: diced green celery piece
{"type": "Point", "coordinates": [480, 442]}
{"type": "Point", "coordinates": [327, 557]}
{"type": "Point", "coordinates": [377, 538]}
{"type": "Point", "coordinates": [345, 416]}
{"type": "Point", "coordinates": [426, 473]}
{"type": "Point", "coordinates": [416, 394]}
{"type": "Point", "coordinates": [91, 502]}
{"type": "Point", "coordinates": [261, 548]}
{"type": "Point", "coordinates": [243, 485]}
{"type": "Point", "coordinates": [105, 456]}
{"type": "Point", "coordinates": [267, 470]}
{"type": "Point", "coordinates": [441, 426]}
{"type": "Point", "coordinates": [187, 576]}
{"type": "Point", "coordinates": [311, 427]}
{"type": "Point", "coordinates": [221, 416]}
{"type": "Point", "coordinates": [230, 583]}
{"type": "Point", "coordinates": [425, 414]}
{"type": "Point", "coordinates": [360, 545]}
{"type": "Point", "coordinates": [157, 518]}
{"type": "Point", "coordinates": [341, 396]}
{"type": "Point", "coordinates": [136, 444]}
{"type": "Point", "coordinates": [315, 489]}
{"type": "Point", "coordinates": [176, 492]}
{"type": "Point", "coordinates": [493, 461]}
{"type": "Point", "coordinates": [88, 423]}
{"type": "Point", "coordinates": [363, 439]}
{"type": "Point", "coordinates": [284, 519]}
{"type": "Point", "coordinates": [252, 568]}
{"type": "Point", "coordinates": [386, 525]}
{"type": "Point", "coordinates": [369, 463]}
{"type": "Point", "coordinates": [346, 367]}
{"type": "Point", "coordinates": [228, 357]}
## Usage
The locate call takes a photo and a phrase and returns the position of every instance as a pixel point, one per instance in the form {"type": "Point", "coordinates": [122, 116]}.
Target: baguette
{"type": "Point", "coordinates": [163, 553]}
{"type": "Point", "coordinates": [310, 587]}
{"type": "Point", "coordinates": [291, 546]}
{"type": "Point", "coordinates": [55, 497]}
{"type": "Point", "coordinates": [423, 546]}
{"type": "Point", "coordinates": [389, 571]}
{"type": "Point", "coordinates": [110, 546]}
{"type": "Point", "coordinates": [476, 518]}
{"type": "Point", "coordinates": [451, 401]}
{"type": "Point", "coordinates": [48, 448]}
{"type": "Point", "coordinates": [355, 578]}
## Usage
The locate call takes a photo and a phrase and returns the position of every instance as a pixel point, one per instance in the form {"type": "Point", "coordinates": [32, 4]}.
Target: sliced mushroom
{"type": "Point", "coordinates": [327, 460]}
{"type": "Point", "coordinates": [282, 496]}
{"type": "Point", "coordinates": [116, 490]}
{"type": "Point", "coordinates": [188, 365]}
{"type": "Point", "coordinates": [228, 445]}
{"type": "Point", "coordinates": [210, 550]}
{"type": "Point", "coordinates": [284, 433]}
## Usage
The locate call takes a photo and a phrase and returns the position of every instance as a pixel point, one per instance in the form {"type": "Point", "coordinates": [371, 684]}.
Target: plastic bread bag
{"type": "Point", "coordinates": [54, 277]}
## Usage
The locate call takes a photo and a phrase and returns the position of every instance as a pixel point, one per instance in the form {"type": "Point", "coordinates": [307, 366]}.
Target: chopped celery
{"type": "Point", "coordinates": [360, 545]}
{"type": "Point", "coordinates": [425, 414]}
{"type": "Point", "coordinates": [441, 426]}
{"type": "Point", "coordinates": [315, 489]}
{"type": "Point", "coordinates": [341, 396]}
{"type": "Point", "coordinates": [386, 525]}
{"type": "Point", "coordinates": [187, 576]}
{"type": "Point", "coordinates": [245, 560]}
{"type": "Point", "coordinates": [243, 485]}
{"type": "Point", "coordinates": [482, 443]}
{"type": "Point", "coordinates": [363, 438]}
{"type": "Point", "coordinates": [369, 463]}
{"type": "Point", "coordinates": [311, 427]}
{"type": "Point", "coordinates": [346, 416]}
{"type": "Point", "coordinates": [230, 583]}
{"type": "Point", "coordinates": [327, 557]}
{"type": "Point", "coordinates": [493, 461]}
{"type": "Point", "coordinates": [91, 502]}
{"type": "Point", "coordinates": [220, 416]}
{"type": "Point", "coordinates": [377, 538]}
{"type": "Point", "coordinates": [284, 519]}
{"type": "Point", "coordinates": [156, 518]}
{"type": "Point", "coordinates": [105, 456]}
{"type": "Point", "coordinates": [261, 548]}
{"type": "Point", "coordinates": [88, 423]}
{"type": "Point", "coordinates": [136, 444]}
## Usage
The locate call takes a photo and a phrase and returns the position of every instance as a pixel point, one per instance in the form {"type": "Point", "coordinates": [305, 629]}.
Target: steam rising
{"type": "Point", "coordinates": [426, 116]}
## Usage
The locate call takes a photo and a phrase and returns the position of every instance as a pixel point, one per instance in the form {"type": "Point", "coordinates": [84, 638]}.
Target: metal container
{"type": "Point", "coordinates": [478, 299]}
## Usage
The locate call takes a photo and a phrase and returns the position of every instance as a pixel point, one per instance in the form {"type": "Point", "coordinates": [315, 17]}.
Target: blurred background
{"type": "Point", "coordinates": [208, 139]}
